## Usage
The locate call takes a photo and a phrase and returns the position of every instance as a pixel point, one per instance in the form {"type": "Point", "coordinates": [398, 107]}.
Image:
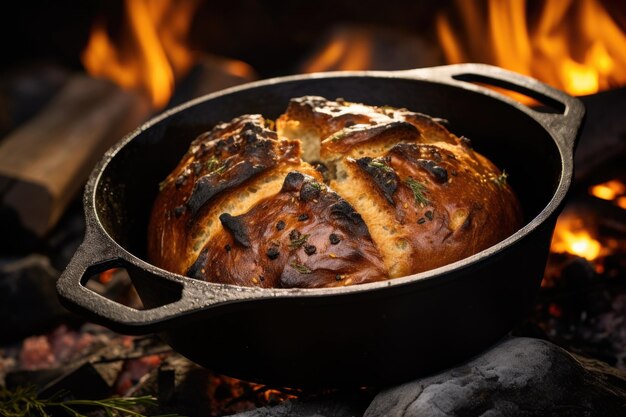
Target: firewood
{"type": "Point", "coordinates": [44, 163]}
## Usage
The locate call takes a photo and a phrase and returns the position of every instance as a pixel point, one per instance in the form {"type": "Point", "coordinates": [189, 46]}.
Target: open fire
{"type": "Point", "coordinates": [576, 46]}
{"type": "Point", "coordinates": [153, 53]}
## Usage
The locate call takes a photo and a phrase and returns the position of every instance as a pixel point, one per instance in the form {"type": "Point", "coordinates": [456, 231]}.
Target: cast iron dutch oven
{"type": "Point", "coordinates": [370, 334]}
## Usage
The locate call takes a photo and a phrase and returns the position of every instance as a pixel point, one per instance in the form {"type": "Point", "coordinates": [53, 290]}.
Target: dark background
{"type": "Point", "coordinates": [271, 36]}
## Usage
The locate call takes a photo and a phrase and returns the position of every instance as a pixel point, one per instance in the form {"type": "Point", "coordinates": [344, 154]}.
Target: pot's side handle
{"type": "Point", "coordinates": [563, 123]}
{"type": "Point", "coordinates": [97, 254]}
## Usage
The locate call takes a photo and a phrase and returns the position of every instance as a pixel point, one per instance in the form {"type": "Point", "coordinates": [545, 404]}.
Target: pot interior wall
{"type": "Point", "coordinates": [507, 136]}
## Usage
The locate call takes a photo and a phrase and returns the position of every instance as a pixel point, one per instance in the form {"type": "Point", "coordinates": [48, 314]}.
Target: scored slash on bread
{"type": "Point", "coordinates": [400, 194]}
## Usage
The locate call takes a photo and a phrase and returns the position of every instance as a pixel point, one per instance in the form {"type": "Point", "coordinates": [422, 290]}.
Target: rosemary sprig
{"type": "Point", "coordinates": [418, 191]}
{"type": "Point", "coordinates": [214, 167]}
{"type": "Point", "coordinates": [500, 180]}
{"type": "Point", "coordinates": [299, 241]}
{"type": "Point", "coordinates": [303, 269]}
{"type": "Point", "coordinates": [24, 402]}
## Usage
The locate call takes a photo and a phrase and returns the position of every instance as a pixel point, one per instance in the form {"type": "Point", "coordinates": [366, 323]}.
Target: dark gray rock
{"type": "Point", "coordinates": [28, 299]}
{"type": "Point", "coordinates": [518, 377]}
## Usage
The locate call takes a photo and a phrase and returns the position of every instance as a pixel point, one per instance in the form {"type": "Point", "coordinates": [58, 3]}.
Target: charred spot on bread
{"type": "Point", "coordinates": [293, 181]}
{"type": "Point", "coordinates": [196, 270]}
{"type": "Point", "coordinates": [381, 174]}
{"type": "Point", "coordinates": [211, 185]}
{"type": "Point", "coordinates": [438, 173]}
{"type": "Point", "coordinates": [310, 191]}
{"type": "Point", "coordinates": [237, 229]}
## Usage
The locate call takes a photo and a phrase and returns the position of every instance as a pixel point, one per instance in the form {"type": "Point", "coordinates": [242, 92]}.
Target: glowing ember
{"type": "Point", "coordinates": [229, 395]}
{"type": "Point", "coordinates": [579, 243]}
{"type": "Point", "coordinates": [576, 46]}
{"type": "Point", "coordinates": [106, 276]}
{"type": "Point", "coordinates": [609, 190]}
{"type": "Point", "coordinates": [150, 53]}
{"type": "Point", "coordinates": [570, 236]}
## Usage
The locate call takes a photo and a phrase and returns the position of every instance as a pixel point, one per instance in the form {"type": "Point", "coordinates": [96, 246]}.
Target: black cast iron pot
{"type": "Point", "coordinates": [370, 334]}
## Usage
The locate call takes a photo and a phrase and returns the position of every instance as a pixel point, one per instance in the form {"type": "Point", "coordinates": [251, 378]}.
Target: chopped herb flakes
{"type": "Point", "coordinates": [380, 165]}
{"type": "Point", "coordinates": [303, 269]}
{"type": "Point", "coordinates": [212, 164]}
{"type": "Point", "coordinates": [500, 180]}
{"type": "Point", "coordinates": [418, 190]}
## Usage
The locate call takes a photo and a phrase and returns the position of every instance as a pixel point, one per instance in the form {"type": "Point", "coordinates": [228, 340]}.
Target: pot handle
{"type": "Point", "coordinates": [97, 254]}
{"type": "Point", "coordinates": [563, 123]}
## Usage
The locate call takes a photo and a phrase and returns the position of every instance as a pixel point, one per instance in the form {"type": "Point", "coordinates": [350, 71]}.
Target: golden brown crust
{"type": "Point", "coordinates": [402, 195]}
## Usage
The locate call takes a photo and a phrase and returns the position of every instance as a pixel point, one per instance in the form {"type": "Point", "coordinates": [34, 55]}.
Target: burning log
{"type": "Point", "coordinates": [44, 163]}
{"type": "Point", "coordinates": [211, 73]}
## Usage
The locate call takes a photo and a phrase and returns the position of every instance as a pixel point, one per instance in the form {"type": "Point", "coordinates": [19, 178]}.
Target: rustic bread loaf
{"type": "Point", "coordinates": [385, 193]}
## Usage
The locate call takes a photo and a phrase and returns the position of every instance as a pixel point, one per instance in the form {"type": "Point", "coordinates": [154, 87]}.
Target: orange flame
{"type": "Point", "coordinates": [154, 51]}
{"type": "Point", "coordinates": [573, 45]}
{"type": "Point", "coordinates": [347, 50]}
